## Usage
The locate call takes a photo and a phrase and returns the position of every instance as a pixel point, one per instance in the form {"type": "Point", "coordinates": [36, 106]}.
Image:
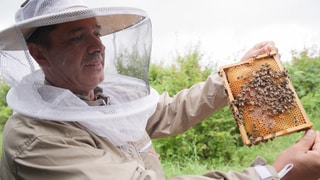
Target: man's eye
{"type": "Point", "coordinates": [77, 38]}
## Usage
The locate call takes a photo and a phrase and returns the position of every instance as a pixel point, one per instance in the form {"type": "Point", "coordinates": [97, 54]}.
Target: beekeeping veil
{"type": "Point", "coordinates": [126, 34]}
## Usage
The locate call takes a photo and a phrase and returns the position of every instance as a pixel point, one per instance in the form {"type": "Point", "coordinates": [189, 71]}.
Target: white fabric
{"type": "Point", "coordinates": [40, 8]}
{"type": "Point", "coordinates": [263, 172]}
{"type": "Point", "coordinates": [285, 170]}
{"type": "Point", "coordinates": [43, 8]}
{"type": "Point", "coordinates": [37, 13]}
{"type": "Point", "coordinates": [122, 121]}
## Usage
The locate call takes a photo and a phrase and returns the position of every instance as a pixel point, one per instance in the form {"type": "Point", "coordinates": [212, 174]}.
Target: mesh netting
{"type": "Point", "coordinates": [127, 40]}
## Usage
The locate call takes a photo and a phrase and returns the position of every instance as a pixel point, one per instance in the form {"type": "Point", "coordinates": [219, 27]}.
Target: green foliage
{"type": "Point", "coordinates": [183, 74]}
{"type": "Point", "coordinates": [311, 102]}
{"type": "Point", "coordinates": [304, 72]}
{"type": "Point", "coordinates": [134, 64]}
{"type": "Point", "coordinates": [5, 111]}
{"type": "Point", "coordinates": [0, 144]}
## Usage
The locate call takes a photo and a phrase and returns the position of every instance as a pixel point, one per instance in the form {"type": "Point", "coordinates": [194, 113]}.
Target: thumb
{"type": "Point", "coordinates": [316, 145]}
{"type": "Point", "coordinates": [307, 141]}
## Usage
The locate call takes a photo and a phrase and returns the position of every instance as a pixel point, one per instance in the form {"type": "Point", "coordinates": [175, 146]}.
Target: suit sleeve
{"type": "Point", "coordinates": [247, 174]}
{"type": "Point", "coordinates": [177, 114]}
{"type": "Point", "coordinates": [45, 158]}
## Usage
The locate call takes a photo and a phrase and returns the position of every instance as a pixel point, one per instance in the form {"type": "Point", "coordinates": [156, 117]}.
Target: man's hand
{"type": "Point", "coordinates": [304, 155]}
{"type": "Point", "coordinates": [260, 48]}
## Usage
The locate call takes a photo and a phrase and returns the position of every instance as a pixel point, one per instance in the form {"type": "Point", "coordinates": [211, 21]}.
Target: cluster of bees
{"type": "Point", "coordinates": [265, 91]}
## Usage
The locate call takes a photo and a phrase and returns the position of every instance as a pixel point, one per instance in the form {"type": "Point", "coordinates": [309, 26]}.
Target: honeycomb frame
{"type": "Point", "coordinates": [262, 99]}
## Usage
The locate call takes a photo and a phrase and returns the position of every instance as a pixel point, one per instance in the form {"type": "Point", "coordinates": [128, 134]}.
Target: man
{"type": "Point", "coordinates": [89, 112]}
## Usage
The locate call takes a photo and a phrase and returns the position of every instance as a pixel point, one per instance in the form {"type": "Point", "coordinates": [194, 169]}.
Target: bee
{"type": "Point", "coordinates": [295, 119]}
{"type": "Point", "coordinates": [270, 125]}
{"type": "Point", "coordinates": [251, 109]}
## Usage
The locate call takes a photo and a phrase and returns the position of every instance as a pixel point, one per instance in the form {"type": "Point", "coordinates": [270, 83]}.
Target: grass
{"type": "Point", "coordinates": [0, 145]}
{"type": "Point", "coordinates": [240, 160]}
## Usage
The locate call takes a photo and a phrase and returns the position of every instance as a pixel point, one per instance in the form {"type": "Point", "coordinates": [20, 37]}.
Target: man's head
{"type": "Point", "coordinates": [40, 39]}
{"type": "Point", "coordinates": [71, 54]}
{"type": "Point", "coordinates": [65, 40]}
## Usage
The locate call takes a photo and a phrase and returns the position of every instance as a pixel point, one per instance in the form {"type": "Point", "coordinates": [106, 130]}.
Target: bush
{"type": "Point", "coordinates": [304, 72]}
{"type": "Point", "coordinates": [304, 75]}
{"type": "Point", "coordinates": [5, 111]}
{"type": "Point", "coordinates": [213, 139]}
{"type": "Point", "coordinates": [184, 71]}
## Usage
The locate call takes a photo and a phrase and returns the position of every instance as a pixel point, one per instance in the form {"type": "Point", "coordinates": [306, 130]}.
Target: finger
{"type": "Point", "coordinates": [316, 145]}
{"type": "Point", "coordinates": [262, 50]}
{"type": "Point", "coordinates": [265, 47]}
{"type": "Point", "coordinates": [270, 47]}
{"type": "Point", "coordinates": [307, 141]}
{"type": "Point", "coordinates": [263, 44]}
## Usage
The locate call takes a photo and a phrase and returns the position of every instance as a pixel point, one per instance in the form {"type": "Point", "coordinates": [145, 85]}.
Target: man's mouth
{"type": "Point", "coordinates": [96, 64]}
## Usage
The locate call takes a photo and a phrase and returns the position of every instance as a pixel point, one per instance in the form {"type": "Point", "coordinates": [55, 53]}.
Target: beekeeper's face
{"type": "Point", "coordinates": [75, 59]}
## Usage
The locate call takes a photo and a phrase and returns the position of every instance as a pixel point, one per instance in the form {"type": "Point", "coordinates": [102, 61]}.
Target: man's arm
{"type": "Point", "coordinates": [176, 114]}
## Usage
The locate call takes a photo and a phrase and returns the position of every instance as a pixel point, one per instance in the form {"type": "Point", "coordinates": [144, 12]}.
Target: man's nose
{"type": "Point", "coordinates": [96, 45]}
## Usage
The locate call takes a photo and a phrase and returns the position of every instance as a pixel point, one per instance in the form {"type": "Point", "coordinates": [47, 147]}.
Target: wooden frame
{"type": "Point", "coordinates": [262, 99]}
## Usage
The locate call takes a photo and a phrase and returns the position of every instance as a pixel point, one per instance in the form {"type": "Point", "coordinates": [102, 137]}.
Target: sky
{"type": "Point", "coordinates": [223, 29]}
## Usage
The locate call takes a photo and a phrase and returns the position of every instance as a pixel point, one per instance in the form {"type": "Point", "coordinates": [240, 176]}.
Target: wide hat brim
{"type": "Point", "coordinates": [112, 20]}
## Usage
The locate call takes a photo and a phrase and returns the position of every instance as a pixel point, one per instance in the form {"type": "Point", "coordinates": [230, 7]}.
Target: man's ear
{"type": "Point", "coordinates": [39, 54]}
